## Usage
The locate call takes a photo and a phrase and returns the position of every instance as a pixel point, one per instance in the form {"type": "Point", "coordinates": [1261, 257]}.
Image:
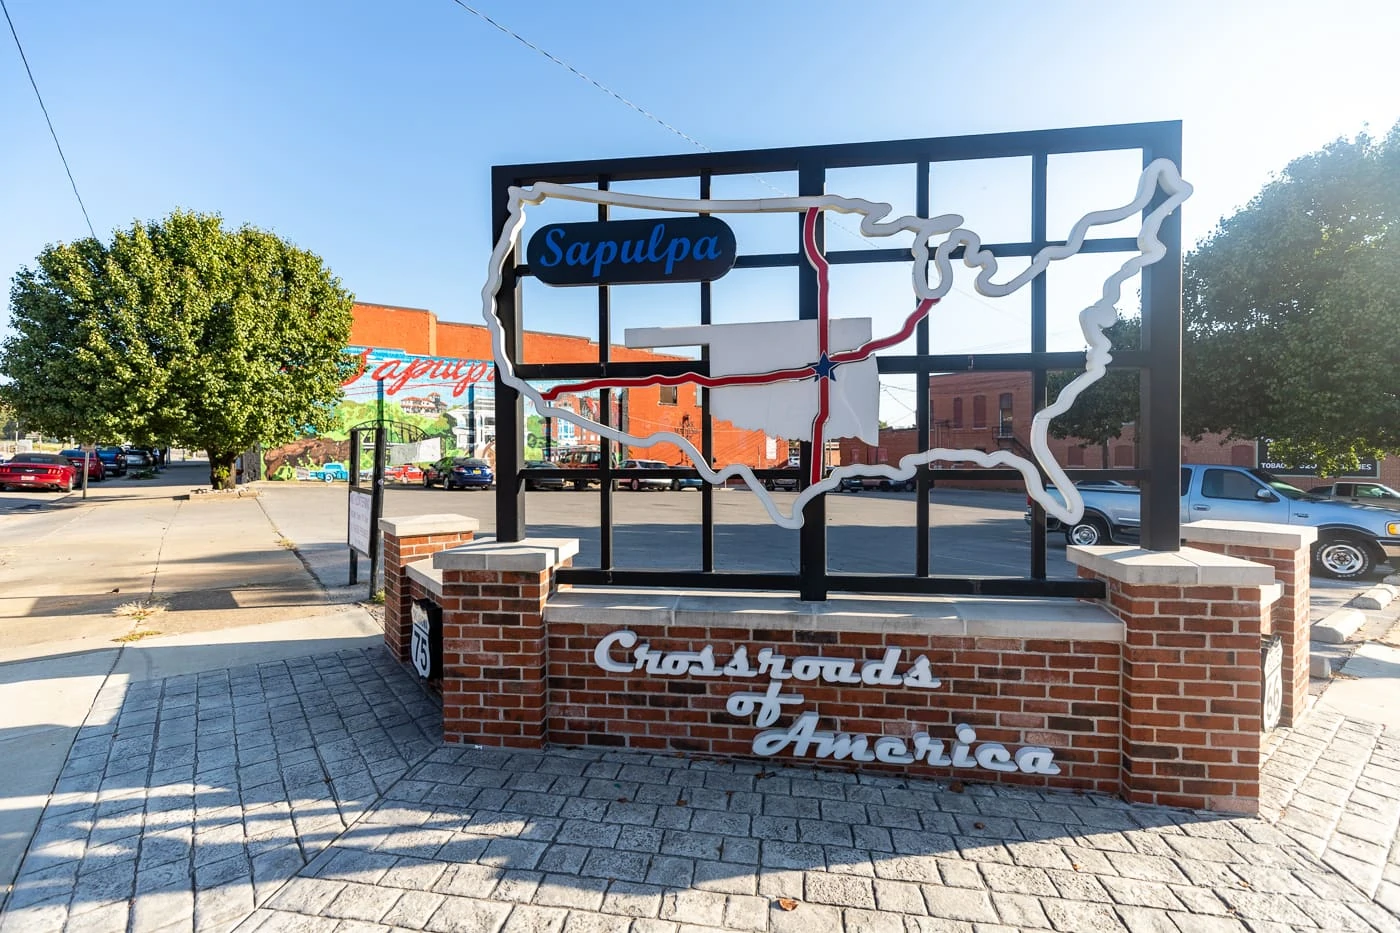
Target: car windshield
{"type": "Point", "coordinates": [1280, 487]}
{"type": "Point", "coordinates": [478, 464]}
{"type": "Point", "coordinates": [40, 458]}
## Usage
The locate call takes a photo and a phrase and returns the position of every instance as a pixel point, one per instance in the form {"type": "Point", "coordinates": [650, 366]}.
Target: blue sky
{"type": "Point", "coordinates": [365, 131]}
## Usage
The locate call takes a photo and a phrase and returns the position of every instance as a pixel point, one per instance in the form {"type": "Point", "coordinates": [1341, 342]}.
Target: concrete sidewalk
{"type": "Point", "coordinates": [137, 584]}
{"type": "Point", "coordinates": [261, 765]}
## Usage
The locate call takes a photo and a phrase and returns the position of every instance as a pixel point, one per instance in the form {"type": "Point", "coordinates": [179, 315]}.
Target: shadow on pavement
{"type": "Point", "coordinates": [317, 789]}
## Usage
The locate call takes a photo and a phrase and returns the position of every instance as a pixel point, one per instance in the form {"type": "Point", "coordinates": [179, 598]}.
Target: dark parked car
{"type": "Point", "coordinates": [139, 458]}
{"type": "Point", "coordinates": [459, 473]}
{"type": "Point", "coordinates": [31, 471]}
{"type": "Point", "coordinates": [542, 482]}
{"type": "Point", "coordinates": [95, 470]}
{"type": "Point", "coordinates": [113, 459]}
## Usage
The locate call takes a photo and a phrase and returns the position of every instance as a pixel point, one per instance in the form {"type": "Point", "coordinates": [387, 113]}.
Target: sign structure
{"type": "Point", "coordinates": [802, 738]}
{"type": "Point", "coordinates": [425, 645]}
{"type": "Point", "coordinates": [1368, 468]}
{"type": "Point", "coordinates": [1273, 683]}
{"type": "Point", "coordinates": [683, 249]}
{"type": "Point", "coordinates": [813, 380]}
{"type": "Point", "coordinates": [361, 513]}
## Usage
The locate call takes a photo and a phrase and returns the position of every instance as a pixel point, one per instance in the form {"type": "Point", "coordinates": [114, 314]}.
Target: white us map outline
{"type": "Point", "coordinates": [928, 287]}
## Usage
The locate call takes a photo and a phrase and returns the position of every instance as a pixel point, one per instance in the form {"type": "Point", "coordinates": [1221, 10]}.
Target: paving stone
{"type": "Point", "coordinates": [467, 915]}
{"type": "Point", "coordinates": [868, 921]}
{"type": "Point", "coordinates": [1020, 910]}
{"type": "Point", "coordinates": [959, 904]}
{"type": "Point", "coordinates": [633, 900]}
{"type": "Point", "coordinates": [571, 891]}
{"type": "Point", "coordinates": [528, 918]}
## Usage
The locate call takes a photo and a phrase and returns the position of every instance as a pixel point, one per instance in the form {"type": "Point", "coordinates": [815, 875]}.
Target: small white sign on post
{"type": "Point", "coordinates": [360, 509]}
{"type": "Point", "coordinates": [426, 451]}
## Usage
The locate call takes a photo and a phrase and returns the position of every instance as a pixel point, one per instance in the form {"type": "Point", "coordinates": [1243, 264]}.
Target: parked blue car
{"type": "Point", "coordinates": [460, 473]}
{"type": "Point", "coordinates": [113, 459]}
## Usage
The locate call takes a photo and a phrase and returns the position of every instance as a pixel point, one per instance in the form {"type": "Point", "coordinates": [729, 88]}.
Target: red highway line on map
{"type": "Point", "coordinates": [817, 458]}
{"type": "Point", "coordinates": [859, 354]}
{"type": "Point", "coordinates": [709, 382]}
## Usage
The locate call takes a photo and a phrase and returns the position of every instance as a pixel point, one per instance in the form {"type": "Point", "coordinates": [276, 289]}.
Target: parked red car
{"type": "Point", "coordinates": [30, 471]}
{"type": "Point", "coordinates": [96, 471]}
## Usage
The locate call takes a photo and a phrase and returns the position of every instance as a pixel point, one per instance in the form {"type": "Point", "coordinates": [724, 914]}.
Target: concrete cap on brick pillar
{"type": "Point", "coordinates": [530, 554]}
{"type": "Point", "coordinates": [1186, 567]}
{"type": "Point", "coordinates": [417, 526]}
{"type": "Point", "coordinates": [1250, 534]}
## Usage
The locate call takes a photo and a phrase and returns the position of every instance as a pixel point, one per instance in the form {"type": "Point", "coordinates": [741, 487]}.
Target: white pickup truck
{"type": "Point", "coordinates": [1351, 539]}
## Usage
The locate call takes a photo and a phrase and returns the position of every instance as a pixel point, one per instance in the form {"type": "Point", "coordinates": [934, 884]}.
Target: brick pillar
{"type": "Point", "coordinates": [494, 663]}
{"type": "Point", "coordinates": [409, 539]}
{"type": "Point", "coordinates": [1288, 550]}
{"type": "Point", "coordinates": [1192, 699]}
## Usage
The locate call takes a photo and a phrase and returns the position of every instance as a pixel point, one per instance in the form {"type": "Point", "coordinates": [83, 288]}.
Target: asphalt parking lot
{"type": "Point", "coordinates": [972, 533]}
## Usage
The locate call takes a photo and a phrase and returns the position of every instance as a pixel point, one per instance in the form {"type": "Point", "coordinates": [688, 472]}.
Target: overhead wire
{"type": "Point", "coordinates": [667, 126]}
{"type": "Point", "coordinates": [52, 132]}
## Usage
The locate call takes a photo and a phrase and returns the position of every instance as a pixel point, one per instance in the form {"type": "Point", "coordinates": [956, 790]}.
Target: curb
{"type": "Point", "coordinates": [1337, 626]}
{"type": "Point", "coordinates": [1377, 597]}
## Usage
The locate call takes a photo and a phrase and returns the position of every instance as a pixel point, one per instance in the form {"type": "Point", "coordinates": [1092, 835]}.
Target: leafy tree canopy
{"type": "Point", "coordinates": [178, 331]}
{"type": "Point", "coordinates": [1100, 411]}
{"type": "Point", "coordinates": [1292, 311]}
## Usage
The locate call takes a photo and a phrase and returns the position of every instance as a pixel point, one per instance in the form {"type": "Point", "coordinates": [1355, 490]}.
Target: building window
{"type": "Point", "coordinates": [1004, 415]}
{"type": "Point", "coordinates": [957, 413]}
{"type": "Point", "coordinates": [979, 411]}
{"type": "Point", "coordinates": [669, 395]}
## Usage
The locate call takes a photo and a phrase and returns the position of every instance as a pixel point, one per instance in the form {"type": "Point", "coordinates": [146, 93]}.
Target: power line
{"type": "Point", "coordinates": [683, 135]}
{"type": "Point", "coordinates": [52, 131]}
{"type": "Point", "coordinates": [593, 81]}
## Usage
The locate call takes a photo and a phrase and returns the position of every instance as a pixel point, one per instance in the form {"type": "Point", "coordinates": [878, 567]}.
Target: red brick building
{"type": "Point", "coordinates": [992, 411]}
{"type": "Point", "coordinates": [649, 409]}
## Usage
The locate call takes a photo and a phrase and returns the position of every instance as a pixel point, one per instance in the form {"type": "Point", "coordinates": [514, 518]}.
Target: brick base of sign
{"type": "Point", "coordinates": [1016, 693]}
{"type": "Point", "coordinates": [407, 540]}
{"type": "Point", "coordinates": [1287, 549]}
{"type": "Point", "coordinates": [1153, 694]}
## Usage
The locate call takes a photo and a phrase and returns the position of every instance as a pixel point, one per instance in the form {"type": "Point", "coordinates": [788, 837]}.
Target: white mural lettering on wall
{"type": "Point", "coordinates": [803, 738]}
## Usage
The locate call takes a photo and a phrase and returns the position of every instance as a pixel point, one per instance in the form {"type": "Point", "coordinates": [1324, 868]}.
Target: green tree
{"type": "Point", "coordinates": [1292, 311]}
{"type": "Point", "coordinates": [178, 331]}
{"type": "Point", "coordinates": [1099, 413]}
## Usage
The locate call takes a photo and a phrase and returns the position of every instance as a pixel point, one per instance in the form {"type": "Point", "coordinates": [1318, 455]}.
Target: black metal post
{"type": "Point", "coordinates": [510, 407]}
{"type": "Point", "coordinates": [921, 394]}
{"type": "Point", "coordinates": [1040, 186]}
{"type": "Point", "coordinates": [376, 510]}
{"type": "Point", "coordinates": [1161, 380]}
{"type": "Point", "coordinates": [354, 472]}
{"type": "Point", "coordinates": [811, 561]}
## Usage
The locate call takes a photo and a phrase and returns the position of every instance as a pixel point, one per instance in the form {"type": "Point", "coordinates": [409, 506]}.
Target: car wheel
{"type": "Point", "coordinates": [1088, 531]}
{"type": "Point", "coordinates": [768, 484]}
{"type": "Point", "coordinates": [635, 485]}
{"type": "Point", "coordinates": [1343, 558]}
{"type": "Point", "coordinates": [580, 485]}
{"type": "Point", "coordinates": [675, 485]}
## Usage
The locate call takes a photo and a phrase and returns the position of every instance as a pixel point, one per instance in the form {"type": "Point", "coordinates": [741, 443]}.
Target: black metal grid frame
{"type": "Point", "coordinates": [1158, 360]}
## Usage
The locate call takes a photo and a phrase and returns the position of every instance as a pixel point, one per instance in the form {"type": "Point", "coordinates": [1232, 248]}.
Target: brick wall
{"type": "Point", "coordinates": [1192, 693]}
{"type": "Point", "coordinates": [1015, 691]}
{"type": "Point", "coordinates": [1286, 549]}
{"type": "Point", "coordinates": [407, 540]}
{"type": "Point", "coordinates": [413, 330]}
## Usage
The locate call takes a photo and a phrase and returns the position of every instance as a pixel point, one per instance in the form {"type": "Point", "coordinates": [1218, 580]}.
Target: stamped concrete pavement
{"type": "Point", "coordinates": [305, 789]}
{"type": "Point", "coordinates": [313, 795]}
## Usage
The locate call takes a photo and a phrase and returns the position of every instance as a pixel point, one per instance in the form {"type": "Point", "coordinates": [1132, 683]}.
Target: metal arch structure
{"type": "Point", "coordinates": [1158, 360]}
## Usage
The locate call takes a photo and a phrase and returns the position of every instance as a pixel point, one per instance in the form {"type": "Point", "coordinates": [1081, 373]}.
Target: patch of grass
{"type": "Point", "coordinates": [142, 474]}
{"type": "Point", "coordinates": [286, 544]}
{"type": "Point", "coordinates": [140, 610]}
{"type": "Point", "coordinates": [377, 598]}
{"type": "Point", "coordinates": [136, 636]}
